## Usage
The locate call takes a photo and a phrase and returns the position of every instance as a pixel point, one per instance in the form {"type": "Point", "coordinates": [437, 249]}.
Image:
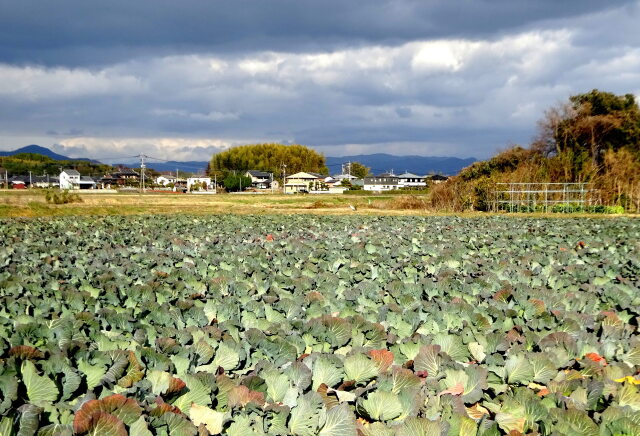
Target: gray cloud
{"type": "Point", "coordinates": [75, 32]}
{"type": "Point", "coordinates": [403, 76]}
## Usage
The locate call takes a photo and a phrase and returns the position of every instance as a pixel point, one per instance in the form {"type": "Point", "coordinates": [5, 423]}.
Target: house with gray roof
{"type": "Point", "coordinates": [259, 179]}
{"type": "Point", "coordinates": [71, 179]}
{"type": "Point", "coordinates": [410, 180]}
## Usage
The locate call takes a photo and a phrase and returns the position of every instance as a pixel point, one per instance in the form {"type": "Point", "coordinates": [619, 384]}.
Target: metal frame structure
{"type": "Point", "coordinates": [542, 197]}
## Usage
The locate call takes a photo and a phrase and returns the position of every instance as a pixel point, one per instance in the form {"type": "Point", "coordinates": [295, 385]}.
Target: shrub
{"type": "Point", "coordinates": [62, 197]}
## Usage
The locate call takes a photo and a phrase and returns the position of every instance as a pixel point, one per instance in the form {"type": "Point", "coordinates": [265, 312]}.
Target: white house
{"type": "Point", "coordinates": [383, 182]}
{"type": "Point", "coordinates": [44, 181]}
{"type": "Point", "coordinates": [409, 180]}
{"type": "Point", "coordinates": [198, 183]}
{"type": "Point", "coordinates": [69, 179]}
{"type": "Point", "coordinates": [302, 182]}
{"type": "Point", "coordinates": [165, 180]}
{"type": "Point", "coordinates": [259, 179]}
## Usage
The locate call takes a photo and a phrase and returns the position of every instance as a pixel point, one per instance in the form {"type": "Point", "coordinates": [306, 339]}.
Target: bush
{"type": "Point", "coordinates": [62, 197]}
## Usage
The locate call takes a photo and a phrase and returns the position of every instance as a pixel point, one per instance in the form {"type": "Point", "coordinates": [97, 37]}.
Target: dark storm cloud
{"type": "Point", "coordinates": [181, 80]}
{"type": "Point", "coordinates": [80, 32]}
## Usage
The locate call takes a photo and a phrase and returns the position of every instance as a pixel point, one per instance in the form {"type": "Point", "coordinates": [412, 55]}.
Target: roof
{"type": "Point", "coordinates": [86, 179]}
{"type": "Point", "coordinates": [256, 173]}
{"type": "Point", "coordinates": [408, 175]}
{"type": "Point", "coordinates": [305, 175]}
{"type": "Point", "coordinates": [439, 177]}
{"type": "Point", "coordinates": [71, 172]}
{"type": "Point", "coordinates": [386, 180]}
{"type": "Point", "coordinates": [126, 172]}
{"type": "Point", "coordinates": [344, 176]}
{"type": "Point", "coordinates": [44, 179]}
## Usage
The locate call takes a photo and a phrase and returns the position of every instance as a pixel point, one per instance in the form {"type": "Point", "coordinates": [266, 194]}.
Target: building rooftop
{"type": "Point", "coordinates": [409, 175]}
{"type": "Point", "coordinates": [262, 174]}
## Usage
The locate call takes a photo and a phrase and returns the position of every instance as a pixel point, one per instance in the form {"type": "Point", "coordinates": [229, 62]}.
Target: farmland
{"type": "Point", "coordinates": [319, 324]}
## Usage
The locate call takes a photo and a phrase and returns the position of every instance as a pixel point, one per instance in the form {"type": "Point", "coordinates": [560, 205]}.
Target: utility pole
{"type": "Point", "coordinates": [284, 178]}
{"type": "Point", "coordinates": [349, 170]}
{"type": "Point", "coordinates": [142, 173]}
{"type": "Point", "coordinates": [215, 182]}
{"type": "Point", "coordinates": [6, 179]}
{"type": "Point", "coordinates": [30, 184]}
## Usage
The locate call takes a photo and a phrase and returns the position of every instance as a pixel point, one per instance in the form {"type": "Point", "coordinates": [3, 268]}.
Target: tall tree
{"type": "Point", "coordinates": [273, 158]}
{"type": "Point", "coordinates": [591, 123]}
{"type": "Point", "coordinates": [359, 170]}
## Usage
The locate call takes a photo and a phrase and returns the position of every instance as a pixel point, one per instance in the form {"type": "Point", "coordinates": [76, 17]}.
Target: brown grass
{"type": "Point", "coordinates": [33, 204]}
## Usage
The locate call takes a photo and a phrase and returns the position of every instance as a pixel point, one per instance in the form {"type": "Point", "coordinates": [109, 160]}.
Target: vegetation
{"type": "Point", "coordinates": [359, 170]}
{"type": "Point", "coordinates": [593, 138]}
{"type": "Point", "coordinates": [269, 158]}
{"type": "Point", "coordinates": [234, 183]}
{"type": "Point", "coordinates": [21, 164]}
{"type": "Point", "coordinates": [260, 325]}
{"type": "Point", "coordinates": [55, 196]}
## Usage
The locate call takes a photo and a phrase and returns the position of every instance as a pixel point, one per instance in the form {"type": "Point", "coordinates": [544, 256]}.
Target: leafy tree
{"type": "Point", "coordinates": [269, 158]}
{"type": "Point", "coordinates": [234, 183]}
{"type": "Point", "coordinates": [359, 170]}
{"type": "Point", "coordinates": [590, 124]}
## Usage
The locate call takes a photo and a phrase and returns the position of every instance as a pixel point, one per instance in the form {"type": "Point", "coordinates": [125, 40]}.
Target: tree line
{"type": "Point", "coordinates": [21, 164]}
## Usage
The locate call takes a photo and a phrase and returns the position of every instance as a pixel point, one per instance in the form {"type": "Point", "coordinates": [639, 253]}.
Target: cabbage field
{"type": "Point", "coordinates": [330, 325]}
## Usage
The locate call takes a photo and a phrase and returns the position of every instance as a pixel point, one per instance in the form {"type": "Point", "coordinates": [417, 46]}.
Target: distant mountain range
{"type": "Point", "coordinates": [420, 165]}
{"type": "Point", "coordinates": [36, 149]}
{"type": "Point", "coordinates": [378, 163]}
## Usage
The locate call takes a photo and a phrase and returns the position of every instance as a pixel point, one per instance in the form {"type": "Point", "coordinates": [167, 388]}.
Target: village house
{"type": "Point", "coordinates": [410, 180]}
{"type": "Point", "coordinates": [437, 178]}
{"type": "Point", "coordinates": [260, 179]}
{"type": "Point", "coordinates": [19, 182]}
{"type": "Point", "coordinates": [71, 179]}
{"type": "Point", "coordinates": [382, 182]}
{"type": "Point", "coordinates": [164, 180]}
{"type": "Point", "coordinates": [302, 182]}
{"type": "Point", "coordinates": [122, 177]}
{"type": "Point", "coordinates": [198, 183]}
{"type": "Point", "coordinates": [45, 181]}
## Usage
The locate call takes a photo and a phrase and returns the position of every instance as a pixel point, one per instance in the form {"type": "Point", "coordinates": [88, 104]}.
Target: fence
{"type": "Point", "coordinates": [545, 197]}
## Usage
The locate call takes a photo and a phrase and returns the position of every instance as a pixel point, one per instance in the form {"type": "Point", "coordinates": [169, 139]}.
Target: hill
{"type": "Point", "coordinates": [37, 149]}
{"type": "Point", "coordinates": [421, 165]}
{"type": "Point", "coordinates": [190, 166]}
{"type": "Point", "coordinates": [38, 164]}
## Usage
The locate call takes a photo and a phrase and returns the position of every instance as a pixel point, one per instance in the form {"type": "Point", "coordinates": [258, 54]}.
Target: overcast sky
{"type": "Point", "coordinates": [181, 80]}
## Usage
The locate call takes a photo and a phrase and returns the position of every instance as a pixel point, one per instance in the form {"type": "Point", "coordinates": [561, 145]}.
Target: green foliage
{"type": "Point", "coordinates": [22, 163]}
{"type": "Point", "coordinates": [191, 325]}
{"type": "Point", "coordinates": [359, 170]}
{"type": "Point", "coordinates": [269, 158]}
{"type": "Point", "coordinates": [234, 183]}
